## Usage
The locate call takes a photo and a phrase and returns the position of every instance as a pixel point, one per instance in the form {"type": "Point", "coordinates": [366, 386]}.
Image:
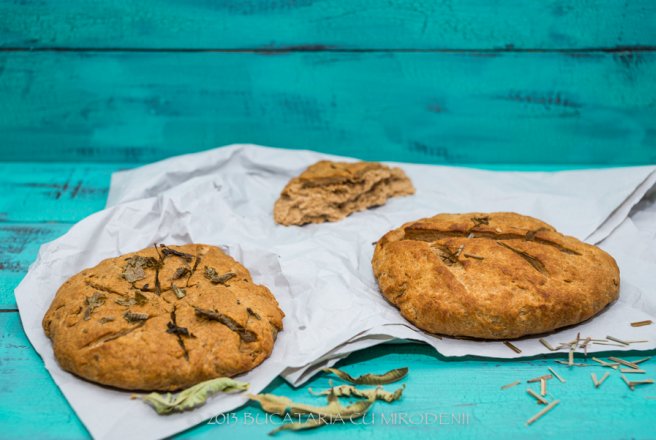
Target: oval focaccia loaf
{"type": "Point", "coordinates": [492, 276]}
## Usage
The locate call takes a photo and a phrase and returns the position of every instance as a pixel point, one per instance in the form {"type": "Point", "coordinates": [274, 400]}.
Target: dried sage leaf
{"type": "Point", "coordinates": [215, 278]}
{"type": "Point", "coordinates": [333, 411]}
{"type": "Point", "coordinates": [370, 379]}
{"type": "Point", "coordinates": [138, 299]}
{"type": "Point", "coordinates": [533, 261]}
{"type": "Point", "coordinates": [166, 251]}
{"type": "Point", "coordinates": [134, 269]}
{"type": "Point", "coordinates": [181, 272]}
{"type": "Point", "coordinates": [133, 317]}
{"type": "Point", "coordinates": [377, 393]}
{"type": "Point", "coordinates": [192, 397]}
{"type": "Point", "coordinates": [93, 302]}
{"type": "Point", "coordinates": [245, 334]}
{"type": "Point", "coordinates": [179, 292]}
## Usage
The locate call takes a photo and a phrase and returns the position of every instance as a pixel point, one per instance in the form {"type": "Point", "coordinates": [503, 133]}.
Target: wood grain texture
{"type": "Point", "coordinates": [33, 407]}
{"type": "Point", "coordinates": [419, 107]}
{"type": "Point", "coordinates": [328, 24]}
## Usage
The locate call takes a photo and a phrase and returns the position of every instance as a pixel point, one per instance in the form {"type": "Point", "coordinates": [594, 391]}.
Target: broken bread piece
{"type": "Point", "coordinates": [330, 191]}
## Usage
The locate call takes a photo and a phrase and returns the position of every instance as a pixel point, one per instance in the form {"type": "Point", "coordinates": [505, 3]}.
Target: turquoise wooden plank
{"type": "Point", "coordinates": [54, 192]}
{"type": "Point", "coordinates": [19, 246]}
{"type": "Point", "coordinates": [433, 108]}
{"type": "Point", "coordinates": [328, 24]}
{"type": "Point", "coordinates": [469, 388]}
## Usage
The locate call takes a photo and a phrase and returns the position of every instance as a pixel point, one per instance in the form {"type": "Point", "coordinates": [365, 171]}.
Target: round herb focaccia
{"type": "Point", "coordinates": [492, 276]}
{"type": "Point", "coordinates": [162, 319]}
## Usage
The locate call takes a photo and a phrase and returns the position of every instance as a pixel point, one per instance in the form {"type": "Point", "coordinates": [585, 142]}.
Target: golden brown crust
{"type": "Point", "coordinates": [492, 276]}
{"type": "Point", "coordinates": [176, 346]}
{"type": "Point", "coordinates": [329, 191]}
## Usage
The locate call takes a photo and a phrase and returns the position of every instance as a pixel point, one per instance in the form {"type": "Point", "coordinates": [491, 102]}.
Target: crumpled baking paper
{"type": "Point", "coordinates": [321, 274]}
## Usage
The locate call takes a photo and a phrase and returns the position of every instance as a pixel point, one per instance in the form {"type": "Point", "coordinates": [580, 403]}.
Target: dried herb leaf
{"type": "Point", "coordinates": [245, 334]}
{"type": "Point", "coordinates": [543, 412]}
{"type": "Point", "coordinates": [193, 269]}
{"type": "Point", "coordinates": [138, 299]}
{"type": "Point", "coordinates": [448, 256]}
{"type": "Point", "coordinates": [215, 278]}
{"type": "Point", "coordinates": [181, 272]}
{"type": "Point", "coordinates": [179, 292]}
{"type": "Point", "coordinates": [179, 332]}
{"type": "Point", "coordinates": [93, 302]}
{"type": "Point", "coordinates": [158, 286]}
{"type": "Point", "coordinates": [511, 346]}
{"type": "Point", "coordinates": [133, 317]}
{"type": "Point", "coordinates": [533, 261]}
{"type": "Point", "coordinates": [370, 379]}
{"type": "Point", "coordinates": [192, 397]}
{"type": "Point", "coordinates": [106, 319]}
{"type": "Point", "coordinates": [134, 269]}
{"type": "Point", "coordinates": [253, 313]}
{"type": "Point", "coordinates": [377, 393]}
{"type": "Point", "coordinates": [478, 221]}
{"type": "Point", "coordinates": [333, 411]}
{"type": "Point", "coordinates": [166, 251]}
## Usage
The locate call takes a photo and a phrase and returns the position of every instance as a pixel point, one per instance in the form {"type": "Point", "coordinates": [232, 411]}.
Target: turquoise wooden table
{"type": "Point", "coordinates": [89, 88]}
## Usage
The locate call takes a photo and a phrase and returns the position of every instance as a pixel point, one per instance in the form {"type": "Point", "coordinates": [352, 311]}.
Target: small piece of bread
{"type": "Point", "coordinates": [162, 319]}
{"type": "Point", "coordinates": [329, 191]}
{"type": "Point", "coordinates": [492, 276]}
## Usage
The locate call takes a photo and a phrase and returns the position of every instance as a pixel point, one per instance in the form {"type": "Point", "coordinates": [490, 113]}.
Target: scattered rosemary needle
{"type": "Point", "coordinates": [538, 379]}
{"type": "Point", "coordinates": [512, 347]}
{"type": "Point", "coordinates": [510, 385]}
{"type": "Point", "coordinates": [639, 361]}
{"type": "Point", "coordinates": [539, 398]}
{"type": "Point", "coordinates": [573, 365]}
{"type": "Point", "coordinates": [543, 386]}
{"type": "Point", "coordinates": [605, 364]}
{"type": "Point", "coordinates": [547, 344]}
{"type": "Point", "coordinates": [594, 379]}
{"type": "Point", "coordinates": [628, 383]}
{"type": "Point", "coordinates": [570, 361]}
{"type": "Point", "coordinates": [632, 371]}
{"type": "Point", "coordinates": [623, 362]}
{"type": "Point", "coordinates": [609, 343]}
{"type": "Point", "coordinates": [543, 412]}
{"type": "Point", "coordinates": [476, 257]}
{"type": "Point", "coordinates": [611, 338]}
{"type": "Point", "coordinates": [556, 375]}
{"type": "Point", "coordinates": [641, 323]}
{"type": "Point", "coordinates": [642, 382]}
{"type": "Point", "coordinates": [603, 378]}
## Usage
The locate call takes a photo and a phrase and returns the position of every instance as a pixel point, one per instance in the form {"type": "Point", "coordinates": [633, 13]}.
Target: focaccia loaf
{"type": "Point", "coordinates": [162, 319]}
{"type": "Point", "coordinates": [492, 276]}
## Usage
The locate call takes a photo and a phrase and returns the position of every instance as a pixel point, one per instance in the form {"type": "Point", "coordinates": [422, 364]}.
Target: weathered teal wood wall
{"type": "Point", "coordinates": [554, 81]}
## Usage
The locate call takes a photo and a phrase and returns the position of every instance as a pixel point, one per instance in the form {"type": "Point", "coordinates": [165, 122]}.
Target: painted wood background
{"type": "Point", "coordinates": [90, 87]}
{"type": "Point", "coordinates": [554, 81]}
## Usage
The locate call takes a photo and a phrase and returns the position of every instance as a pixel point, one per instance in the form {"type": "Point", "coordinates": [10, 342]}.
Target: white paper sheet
{"type": "Point", "coordinates": [320, 274]}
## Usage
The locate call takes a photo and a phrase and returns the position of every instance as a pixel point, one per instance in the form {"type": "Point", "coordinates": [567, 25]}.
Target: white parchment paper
{"type": "Point", "coordinates": [321, 274]}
